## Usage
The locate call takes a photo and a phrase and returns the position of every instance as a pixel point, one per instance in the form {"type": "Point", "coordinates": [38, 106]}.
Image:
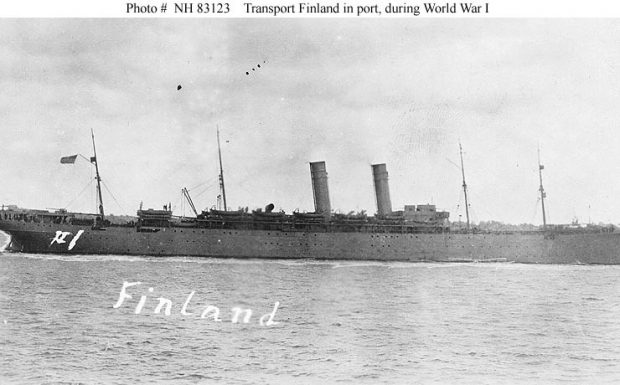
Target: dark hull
{"type": "Point", "coordinates": [534, 247]}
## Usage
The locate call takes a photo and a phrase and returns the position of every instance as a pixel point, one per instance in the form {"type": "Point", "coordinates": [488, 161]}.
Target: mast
{"type": "Point", "coordinates": [464, 186]}
{"type": "Point", "coordinates": [543, 195]}
{"type": "Point", "coordinates": [94, 160]}
{"type": "Point", "coordinates": [219, 152]}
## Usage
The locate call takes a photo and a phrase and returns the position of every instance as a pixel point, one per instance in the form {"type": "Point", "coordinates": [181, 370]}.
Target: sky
{"type": "Point", "coordinates": [349, 92]}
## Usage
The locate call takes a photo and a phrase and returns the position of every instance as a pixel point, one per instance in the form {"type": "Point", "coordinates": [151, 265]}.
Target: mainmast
{"type": "Point", "coordinates": [464, 186]}
{"type": "Point", "coordinates": [543, 195]}
{"type": "Point", "coordinates": [94, 160]}
{"type": "Point", "coordinates": [219, 151]}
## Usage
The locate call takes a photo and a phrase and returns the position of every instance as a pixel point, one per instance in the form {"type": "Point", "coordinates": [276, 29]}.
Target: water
{"type": "Point", "coordinates": [338, 322]}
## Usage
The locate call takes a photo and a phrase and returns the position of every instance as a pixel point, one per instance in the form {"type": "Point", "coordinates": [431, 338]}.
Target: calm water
{"type": "Point", "coordinates": [337, 322]}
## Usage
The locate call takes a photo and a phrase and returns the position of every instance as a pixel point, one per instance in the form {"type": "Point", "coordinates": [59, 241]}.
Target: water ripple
{"type": "Point", "coordinates": [338, 322]}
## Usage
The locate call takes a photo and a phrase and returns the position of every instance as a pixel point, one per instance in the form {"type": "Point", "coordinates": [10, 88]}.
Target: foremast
{"type": "Point", "coordinates": [464, 186]}
{"type": "Point", "coordinates": [99, 196]}
{"type": "Point", "coordinates": [219, 152]}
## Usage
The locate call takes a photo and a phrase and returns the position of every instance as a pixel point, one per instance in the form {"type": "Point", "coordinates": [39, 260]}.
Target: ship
{"type": "Point", "coordinates": [417, 233]}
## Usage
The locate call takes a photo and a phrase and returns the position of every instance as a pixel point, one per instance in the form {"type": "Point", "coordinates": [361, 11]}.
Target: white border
{"type": "Point", "coordinates": [117, 8]}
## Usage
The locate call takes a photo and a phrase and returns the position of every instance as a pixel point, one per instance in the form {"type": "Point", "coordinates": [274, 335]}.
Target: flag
{"type": "Point", "coordinates": [93, 159]}
{"type": "Point", "coordinates": [68, 159]}
{"type": "Point", "coordinates": [541, 167]}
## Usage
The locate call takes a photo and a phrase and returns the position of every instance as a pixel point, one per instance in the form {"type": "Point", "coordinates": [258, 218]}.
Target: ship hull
{"type": "Point", "coordinates": [534, 247]}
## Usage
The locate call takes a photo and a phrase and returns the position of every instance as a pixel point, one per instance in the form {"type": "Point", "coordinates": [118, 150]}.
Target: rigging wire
{"type": "Point", "coordinates": [474, 215]}
{"type": "Point", "coordinates": [182, 205]}
{"type": "Point", "coordinates": [210, 180]}
{"type": "Point", "coordinates": [113, 197]}
{"type": "Point", "coordinates": [533, 218]}
{"type": "Point", "coordinates": [179, 202]}
{"type": "Point", "coordinates": [457, 209]}
{"type": "Point", "coordinates": [204, 190]}
{"type": "Point", "coordinates": [93, 200]}
{"type": "Point", "coordinates": [79, 194]}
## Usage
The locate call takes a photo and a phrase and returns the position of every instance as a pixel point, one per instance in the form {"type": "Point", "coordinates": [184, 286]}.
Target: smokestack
{"type": "Point", "coordinates": [319, 188]}
{"type": "Point", "coordinates": [382, 189]}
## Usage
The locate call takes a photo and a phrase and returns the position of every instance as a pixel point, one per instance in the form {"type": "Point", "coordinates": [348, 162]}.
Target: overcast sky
{"type": "Point", "coordinates": [349, 92]}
